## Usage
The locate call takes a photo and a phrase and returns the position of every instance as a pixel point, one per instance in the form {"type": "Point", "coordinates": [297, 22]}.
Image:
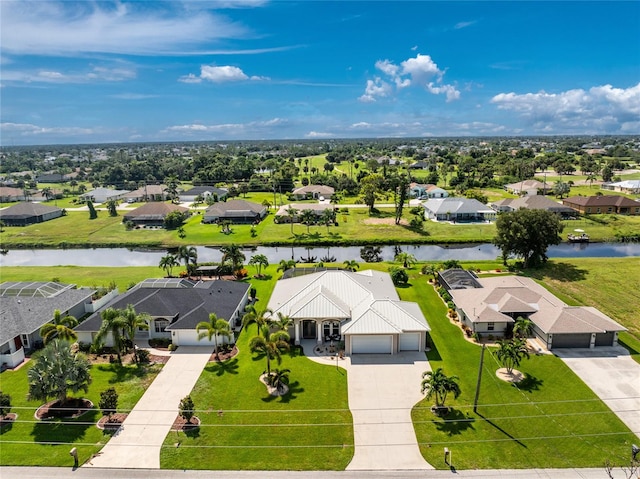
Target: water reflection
{"type": "Point", "coordinates": [127, 257]}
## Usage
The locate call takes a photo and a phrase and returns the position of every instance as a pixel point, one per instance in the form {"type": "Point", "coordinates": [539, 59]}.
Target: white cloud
{"type": "Point", "coordinates": [419, 71]}
{"type": "Point", "coordinates": [461, 25]}
{"type": "Point", "coordinates": [27, 129]}
{"type": "Point", "coordinates": [68, 28]}
{"type": "Point", "coordinates": [133, 96]}
{"type": "Point", "coordinates": [253, 129]}
{"type": "Point", "coordinates": [97, 74]}
{"type": "Point", "coordinates": [219, 74]}
{"type": "Point", "coordinates": [375, 88]}
{"type": "Point", "coordinates": [602, 109]}
{"type": "Point", "coordinates": [319, 135]}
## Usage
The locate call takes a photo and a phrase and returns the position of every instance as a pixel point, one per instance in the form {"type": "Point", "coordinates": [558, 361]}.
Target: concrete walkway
{"type": "Point", "coordinates": [382, 391]}
{"type": "Point", "coordinates": [613, 375]}
{"type": "Point", "coordinates": [138, 442]}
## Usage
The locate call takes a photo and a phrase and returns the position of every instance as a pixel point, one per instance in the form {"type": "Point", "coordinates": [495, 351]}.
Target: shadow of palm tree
{"type": "Point", "coordinates": [64, 430]}
{"type": "Point", "coordinates": [229, 366]}
{"type": "Point", "coordinates": [294, 390]}
{"type": "Point", "coordinates": [502, 431]}
{"type": "Point", "coordinates": [454, 423]}
{"type": "Point", "coordinates": [529, 383]}
{"type": "Point", "coordinates": [122, 373]}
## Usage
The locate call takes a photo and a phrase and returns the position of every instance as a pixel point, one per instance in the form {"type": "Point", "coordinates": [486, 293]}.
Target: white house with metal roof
{"type": "Point", "coordinates": [457, 209]}
{"type": "Point", "coordinates": [361, 308]}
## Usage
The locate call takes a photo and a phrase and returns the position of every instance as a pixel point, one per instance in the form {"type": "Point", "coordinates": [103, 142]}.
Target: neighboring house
{"type": "Point", "coordinates": [499, 301]}
{"type": "Point", "coordinates": [176, 306]}
{"type": "Point", "coordinates": [153, 214]}
{"type": "Point", "coordinates": [417, 190]}
{"type": "Point", "coordinates": [204, 192]}
{"type": "Point", "coordinates": [9, 194]}
{"type": "Point", "coordinates": [457, 278]}
{"type": "Point", "coordinates": [282, 215]}
{"type": "Point", "coordinates": [147, 193]}
{"type": "Point", "coordinates": [457, 210]}
{"type": "Point", "coordinates": [27, 306]}
{"type": "Point", "coordinates": [102, 195]}
{"type": "Point", "coordinates": [529, 187]}
{"type": "Point", "coordinates": [361, 308]}
{"type": "Point", "coordinates": [603, 204]}
{"type": "Point", "coordinates": [313, 192]}
{"type": "Point", "coordinates": [27, 213]}
{"type": "Point", "coordinates": [419, 165]}
{"type": "Point", "coordinates": [535, 202]}
{"type": "Point", "coordinates": [54, 194]}
{"type": "Point", "coordinates": [236, 211]}
{"type": "Point", "coordinates": [626, 186]}
{"type": "Point", "coordinates": [53, 178]}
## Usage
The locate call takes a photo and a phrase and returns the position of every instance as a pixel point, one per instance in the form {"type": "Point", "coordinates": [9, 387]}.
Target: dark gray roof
{"type": "Point", "coordinates": [184, 307]}
{"type": "Point", "coordinates": [26, 209]}
{"type": "Point", "coordinates": [198, 190]}
{"type": "Point", "coordinates": [26, 314]}
{"type": "Point", "coordinates": [235, 209]}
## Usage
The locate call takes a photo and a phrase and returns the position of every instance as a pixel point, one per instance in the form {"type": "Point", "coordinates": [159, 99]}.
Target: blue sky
{"type": "Point", "coordinates": [85, 72]}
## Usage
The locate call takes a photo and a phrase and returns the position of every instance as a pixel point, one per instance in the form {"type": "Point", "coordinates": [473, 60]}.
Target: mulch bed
{"type": "Point", "coordinates": [8, 419]}
{"type": "Point", "coordinates": [180, 424]}
{"type": "Point", "coordinates": [112, 423]}
{"type": "Point", "coordinates": [224, 355]}
{"type": "Point", "coordinates": [71, 408]}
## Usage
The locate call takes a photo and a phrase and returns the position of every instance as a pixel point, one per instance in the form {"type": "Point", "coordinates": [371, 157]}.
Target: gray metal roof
{"type": "Point", "coordinates": [26, 314]}
{"type": "Point", "coordinates": [455, 206]}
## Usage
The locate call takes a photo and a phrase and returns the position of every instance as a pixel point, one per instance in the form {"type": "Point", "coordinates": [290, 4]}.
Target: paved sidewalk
{"type": "Point", "coordinates": [613, 375]}
{"type": "Point", "coordinates": [382, 391]}
{"type": "Point", "coordinates": [138, 442]}
{"type": "Point", "coordinates": [96, 473]}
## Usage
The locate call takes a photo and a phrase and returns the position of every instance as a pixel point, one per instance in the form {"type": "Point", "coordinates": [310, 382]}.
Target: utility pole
{"type": "Point", "coordinates": [475, 400]}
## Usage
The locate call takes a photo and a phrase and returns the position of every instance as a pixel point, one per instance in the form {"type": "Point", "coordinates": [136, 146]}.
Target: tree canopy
{"type": "Point", "coordinates": [527, 234]}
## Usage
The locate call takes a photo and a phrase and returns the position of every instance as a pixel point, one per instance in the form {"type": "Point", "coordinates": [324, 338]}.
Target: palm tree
{"type": "Point", "coordinates": [511, 352]}
{"type": "Point", "coordinates": [259, 261]}
{"type": "Point", "coordinates": [213, 328]}
{"type": "Point", "coordinates": [133, 322]}
{"type": "Point", "coordinates": [272, 345]}
{"type": "Point", "coordinates": [591, 177]}
{"type": "Point", "coordinates": [260, 317]}
{"type": "Point", "coordinates": [430, 269]}
{"type": "Point", "coordinates": [523, 327]}
{"type": "Point", "coordinates": [351, 265]}
{"type": "Point", "coordinates": [56, 371]}
{"type": "Point", "coordinates": [328, 217]}
{"type": "Point", "coordinates": [407, 259]}
{"type": "Point", "coordinates": [283, 322]}
{"type": "Point", "coordinates": [291, 213]}
{"type": "Point", "coordinates": [232, 253]}
{"type": "Point", "coordinates": [308, 217]}
{"type": "Point", "coordinates": [112, 323]}
{"type": "Point", "coordinates": [47, 193]}
{"type": "Point", "coordinates": [266, 204]}
{"type": "Point", "coordinates": [437, 383]}
{"type": "Point", "coordinates": [168, 262]}
{"type": "Point", "coordinates": [188, 254]}
{"type": "Point", "coordinates": [286, 264]}
{"type": "Point", "coordinates": [278, 379]}
{"type": "Point", "coordinates": [60, 327]}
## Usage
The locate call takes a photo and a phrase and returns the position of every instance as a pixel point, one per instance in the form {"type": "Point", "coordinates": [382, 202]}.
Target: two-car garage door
{"type": "Point", "coordinates": [383, 343]}
{"type": "Point", "coordinates": [371, 344]}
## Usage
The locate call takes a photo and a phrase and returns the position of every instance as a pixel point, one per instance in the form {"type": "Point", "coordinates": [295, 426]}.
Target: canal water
{"type": "Point", "coordinates": [134, 257]}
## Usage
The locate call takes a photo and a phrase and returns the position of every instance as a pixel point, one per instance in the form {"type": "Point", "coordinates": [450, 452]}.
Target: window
{"type": "Point", "coordinates": [491, 326]}
{"type": "Point", "coordinates": [610, 209]}
{"type": "Point", "coordinates": [160, 325]}
{"type": "Point", "coordinates": [598, 210]}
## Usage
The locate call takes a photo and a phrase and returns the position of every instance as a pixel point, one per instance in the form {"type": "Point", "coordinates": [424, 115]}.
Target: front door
{"type": "Point", "coordinates": [308, 329]}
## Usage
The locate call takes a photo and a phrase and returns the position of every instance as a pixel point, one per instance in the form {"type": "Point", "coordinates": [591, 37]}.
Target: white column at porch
{"type": "Point", "coordinates": [296, 333]}
{"type": "Point", "coordinates": [319, 331]}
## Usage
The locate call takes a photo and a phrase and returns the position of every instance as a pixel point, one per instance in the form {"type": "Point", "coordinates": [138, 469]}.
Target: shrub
{"type": "Point", "coordinates": [108, 401]}
{"type": "Point", "coordinates": [187, 408]}
{"type": "Point", "coordinates": [241, 273]}
{"type": "Point", "coordinates": [399, 276]}
{"type": "Point", "coordinates": [143, 356]}
{"type": "Point", "coordinates": [450, 305]}
{"type": "Point", "coordinates": [172, 347]}
{"type": "Point", "coordinates": [5, 404]}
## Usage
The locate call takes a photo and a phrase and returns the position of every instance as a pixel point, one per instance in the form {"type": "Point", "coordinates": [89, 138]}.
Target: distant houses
{"type": "Point", "coordinates": [283, 216]}
{"type": "Point", "coordinates": [153, 214]}
{"type": "Point", "coordinates": [147, 193]}
{"type": "Point", "coordinates": [535, 202]}
{"type": "Point", "coordinates": [423, 192]}
{"type": "Point", "coordinates": [102, 195]}
{"type": "Point", "coordinates": [626, 186]}
{"type": "Point", "coordinates": [603, 204]}
{"type": "Point", "coordinates": [28, 213]}
{"type": "Point", "coordinates": [529, 187]}
{"type": "Point", "coordinates": [313, 192]}
{"type": "Point", "coordinates": [203, 192]}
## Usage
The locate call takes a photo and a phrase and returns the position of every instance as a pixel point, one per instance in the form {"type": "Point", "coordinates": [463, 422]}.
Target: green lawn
{"type": "Point", "coordinates": [310, 428]}
{"type": "Point", "coordinates": [29, 442]}
{"type": "Point", "coordinates": [552, 420]}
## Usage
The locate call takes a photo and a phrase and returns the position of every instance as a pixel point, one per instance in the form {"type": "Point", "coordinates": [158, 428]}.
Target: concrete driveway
{"type": "Point", "coordinates": [382, 391]}
{"type": "Point", "coordinates": [138, 442]}
{"type": "Point", "coordinates": [612, 375]}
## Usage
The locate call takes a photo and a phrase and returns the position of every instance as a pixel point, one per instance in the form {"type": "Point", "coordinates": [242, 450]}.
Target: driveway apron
{"type": "Point", "coordinates": [613, 376]}
{"type": "Point", "coordinates": [138, 442]}
{"type": "Point", "coordinates": [382, 391]}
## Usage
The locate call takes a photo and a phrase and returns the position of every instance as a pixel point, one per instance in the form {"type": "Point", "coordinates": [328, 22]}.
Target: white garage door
{"type": "Point", "coordinates": [371, 344]}
{"type": "Point", "coordinates": [410, 342]}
